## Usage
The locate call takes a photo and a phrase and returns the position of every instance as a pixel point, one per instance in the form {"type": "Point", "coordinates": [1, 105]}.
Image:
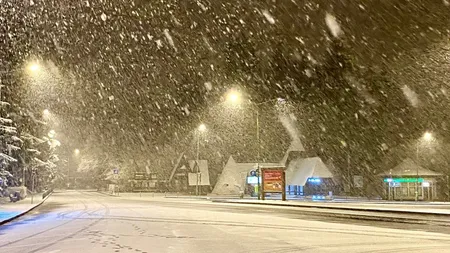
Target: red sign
{"type": "Point", "coordinates": [272, 180]}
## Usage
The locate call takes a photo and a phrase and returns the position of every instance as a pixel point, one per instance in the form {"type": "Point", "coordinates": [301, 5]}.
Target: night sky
{"type": "Point", "coordinates": [133, 79]}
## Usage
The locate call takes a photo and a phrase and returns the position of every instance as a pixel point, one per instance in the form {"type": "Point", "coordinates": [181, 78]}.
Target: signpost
{"type": "Point", "coordinates": [116, 177]}
{"type": "Point", "coordinates": [273, 181]}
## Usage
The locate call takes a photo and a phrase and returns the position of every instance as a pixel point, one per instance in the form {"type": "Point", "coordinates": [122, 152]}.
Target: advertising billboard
{"type": "Point", "coordinates": [272, 180]}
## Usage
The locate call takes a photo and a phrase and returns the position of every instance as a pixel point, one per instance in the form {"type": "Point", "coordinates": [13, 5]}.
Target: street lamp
{"type": "Point", "coordinates": [201, 128]}
{"type": "Point", "coordinates": [52, 134]}
{"type": "Point", "coordinates": [34, 67]}
{"type": "Point", "coordinates": [76, 152]}
{"type": "Point", "coordinates": [234, 97]}
{"type": "Point", "coordinates": [427, 137]}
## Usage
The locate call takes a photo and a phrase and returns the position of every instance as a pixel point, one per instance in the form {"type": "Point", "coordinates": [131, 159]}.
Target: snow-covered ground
{"type": "Point", "coordinates": [92, 222]}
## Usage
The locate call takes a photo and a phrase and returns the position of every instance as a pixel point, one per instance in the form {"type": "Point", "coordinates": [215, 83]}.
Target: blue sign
{"type": "Point", "coordinates": [253, 173]}
{"type": "Point", "coordinates": [314, 180]}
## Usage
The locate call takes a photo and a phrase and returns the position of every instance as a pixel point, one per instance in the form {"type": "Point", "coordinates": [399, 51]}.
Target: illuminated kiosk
{"type": "Point", "coordinates": [402, 182]}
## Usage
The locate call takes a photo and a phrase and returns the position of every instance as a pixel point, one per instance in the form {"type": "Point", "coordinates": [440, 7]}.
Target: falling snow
{"type": "Point", "coordinates": [333, 25]}
{"type": "Point", "coordinates": [208, 86]}
{"type": "Point", "coordinates": [268, 17]}
{"type": "Point", "coordinates": [411, 96]}
{"type": "Point", "coordinates": [169, 39]}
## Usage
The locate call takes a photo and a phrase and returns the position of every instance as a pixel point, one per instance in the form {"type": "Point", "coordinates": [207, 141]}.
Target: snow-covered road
{"type": "Point", "coordinates": [91, 222]}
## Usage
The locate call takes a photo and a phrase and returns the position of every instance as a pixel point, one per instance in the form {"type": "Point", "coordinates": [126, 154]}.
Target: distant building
{"type": "Point", "coordinates": [187, 174]}
{"type": "Point", "coordinates": [402, 182]}
{"type": "Point", "coordinates": [234, 176]}
{"type": "Point", "coordinates": [300, 171]}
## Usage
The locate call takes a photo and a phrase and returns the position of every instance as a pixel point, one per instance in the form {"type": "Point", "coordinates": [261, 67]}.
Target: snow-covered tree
{"type": "Point", "coordinates": [10, 145]}
{"type": "Point", "coordinates": [40, 160]}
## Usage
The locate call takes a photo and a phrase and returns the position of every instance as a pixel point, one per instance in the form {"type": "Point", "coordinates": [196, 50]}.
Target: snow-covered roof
{"type": "Point", "coordinates": [409, 168]}
{"type": "Point", "coordinates": [296, 145]}
{"type": "Point", "coordinates": [298, 171]}
{"type": "Point", "coordinates": [175, 167]}
{"type": "Point", "coordinates": [204, 173]}
{"type": "Point", "coordinates": [234, 175]}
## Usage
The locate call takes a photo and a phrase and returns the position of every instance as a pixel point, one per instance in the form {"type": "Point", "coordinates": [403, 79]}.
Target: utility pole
{"type": "Point", "coordinates": [199, 130]}
{"type": "Point", "coordinates": [417, 172]}
{"type": "Point", "coordinates": [259, 153]}
{"type": "Point", "coordinates": [197, 165]}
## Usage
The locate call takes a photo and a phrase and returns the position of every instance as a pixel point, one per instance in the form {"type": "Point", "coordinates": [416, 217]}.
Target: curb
{"type": "Point", "coordinates": [25, 212]}
{"type": "Point", "coordinates": [336, 208]}
{"type": "Point", "coordinates": [366, 214]}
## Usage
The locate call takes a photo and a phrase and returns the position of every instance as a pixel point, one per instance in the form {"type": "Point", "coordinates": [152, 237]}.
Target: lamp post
{"type": "Point", "coordinates": [201, 128]}
{"type": "Point", "coordinates": [427, 137]}
{"type": "Point", "coordinates": [76, 152]}
{"type": "Point", "coordinates": [234, 97]}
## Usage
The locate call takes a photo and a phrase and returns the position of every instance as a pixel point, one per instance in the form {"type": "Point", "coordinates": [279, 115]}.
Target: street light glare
{"type": "Point", "coordinates": [202, 128]}
{"type": "Point", "coordinates": [33, 67]}
{"type": "Point", "coordinates": [52, 133]}
{"type": "Point", "coordinates": [233, 97]}
{"type": "Point", "coordinates": [76, 151]}
{"type": "Point", "coordinates": [427, 136]}
{"type": "Point", "coordinates": [46, 112]}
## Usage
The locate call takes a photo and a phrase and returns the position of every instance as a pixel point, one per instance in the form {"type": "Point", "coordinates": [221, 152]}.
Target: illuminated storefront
{"type": "Point", "coordinates": [409, 181]}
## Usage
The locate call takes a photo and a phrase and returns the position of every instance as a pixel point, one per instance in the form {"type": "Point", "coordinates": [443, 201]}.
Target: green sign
{"type": "Point", "coordinates": [403, 180]}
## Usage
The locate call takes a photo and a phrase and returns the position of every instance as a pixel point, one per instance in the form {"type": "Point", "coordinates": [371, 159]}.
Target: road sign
{"type": "Point", "coordinates": [358, 181]}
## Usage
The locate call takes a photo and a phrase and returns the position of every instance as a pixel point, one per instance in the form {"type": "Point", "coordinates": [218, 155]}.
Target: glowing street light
{"type": "Point", "coordinates": [76, 151]}
{"type": "Point", "coordinates": [427, 136]}
{"type": "Point", "coordinates": [52, 134]}
{"type": "Point", "coordinates": [34, 67]}
{"type": "Point", "coordinates": [46, 112]}
{"type": "Point", "coordinates": [234, 97]}
{"type": "Point", "coordinates": [202, 128]}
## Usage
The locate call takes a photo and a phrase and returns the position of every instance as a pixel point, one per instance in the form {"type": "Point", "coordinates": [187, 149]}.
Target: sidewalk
{"type": "Point", "coordinates": [10, 211]}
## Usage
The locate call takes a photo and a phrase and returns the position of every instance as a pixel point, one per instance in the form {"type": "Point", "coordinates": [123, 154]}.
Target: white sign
{"type": "Point", "coordinates": [358, 181]}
